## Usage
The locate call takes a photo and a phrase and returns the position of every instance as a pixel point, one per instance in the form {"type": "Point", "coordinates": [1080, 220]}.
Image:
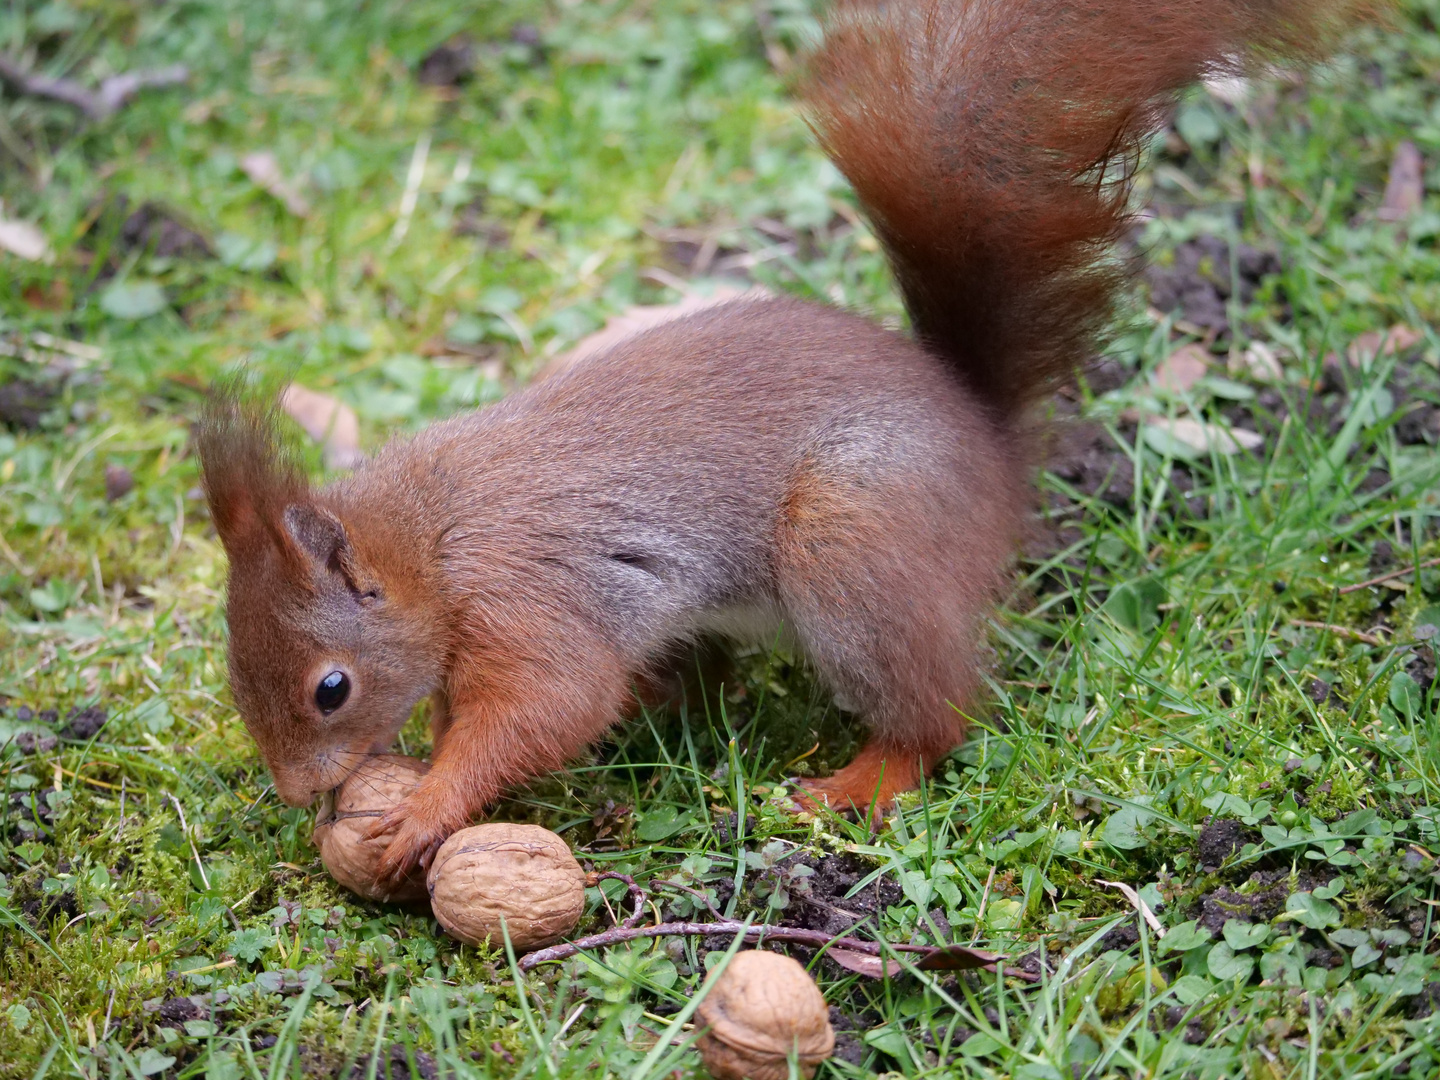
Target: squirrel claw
{"type": "Point", "coordinates": [803, 800]}
{"type": "Point", "coordinates": [412, 847]}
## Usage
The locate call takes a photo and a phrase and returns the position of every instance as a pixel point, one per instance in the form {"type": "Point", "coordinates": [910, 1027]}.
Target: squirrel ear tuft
{"type": "Point", "coordinates": [249, 474]}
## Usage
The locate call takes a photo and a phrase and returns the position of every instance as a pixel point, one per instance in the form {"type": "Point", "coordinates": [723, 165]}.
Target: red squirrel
{"type": "Point", "coordinates": [762, 465]}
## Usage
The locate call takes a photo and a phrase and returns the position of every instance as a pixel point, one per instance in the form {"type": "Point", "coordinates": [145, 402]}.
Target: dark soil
{"type": "Point", "coordinates": [1271, 889]}
{"type": "Point", "coordinates": [1121, 938]}
{"type": "Point", "coordinates": [157, 230]}
{"type": "Point", "coordinates": [849, 1046]}
{"type": "Point", "coordinates": [395, 1065]}
{"type": "Point", "coordinates": [1200, 280]}
{"type": "Point", "coordinates": [179, 1009]}
{"type": "Point", "coordinates": [82, 725]}
{"type": "Point", "coordinates": [1104, 374]}
{"type": "Point", "coordinates": [1195, 1032]}
{"type": "Point", "coordinates": [1219, 840]}
{"type": "Point", "coordinates": [1322, 693]}
{"type": "Point", "coordinates": [1419, 425]}
{"type": "Point", "coordinates": [1425, 1002]}
{"type": "Point", "coordinates": [31, 812]}
{"type": "Point", "coordinates": [472, 221]}
{"type": "Point", "coordinates": [32, 742]}
{"type": "Point", "coordinates": [1087, 458]}
{"type": "Point", "coordinates": [727, 824]}
{"type": "Point", "coordinates": [825, 906]}
{"type": "Point", "coordinates": [24, 404]}
{"type": "Point", "coordinates": [449, 64]}
{"type": "Point", "coordinates": [42, 911]}
{"type": "Point", "coordinates": [1422, 668]}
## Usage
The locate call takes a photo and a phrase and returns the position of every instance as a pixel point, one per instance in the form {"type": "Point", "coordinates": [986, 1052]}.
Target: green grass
{"type": "Point", "coordinates": [1152, 674]}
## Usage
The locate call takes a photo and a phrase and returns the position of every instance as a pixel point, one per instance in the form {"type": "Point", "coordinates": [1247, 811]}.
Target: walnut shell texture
{"type": "Point", "coordinates": [521, 873]}
{"type": "Point", "coordinates": [367, 793]}
{"type": "Point", "coordinates": [762, 1008]}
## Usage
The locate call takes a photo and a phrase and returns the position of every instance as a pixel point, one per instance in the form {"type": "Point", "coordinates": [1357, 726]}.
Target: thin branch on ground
{"type": "Point", "coordinates": [948, 957]}
{"type": "Point", "coordinates": [592, 879]}
{"type": "Point", "coordinates": [113, 95]}
{"type": "Point", "coordinates": [1342, 631]}
{"type": "Point", "coordinates": [1389, 575]}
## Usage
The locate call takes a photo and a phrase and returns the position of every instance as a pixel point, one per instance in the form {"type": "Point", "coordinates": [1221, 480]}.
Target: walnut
{"type": "Point", "coordinates": [522, 874]}
{"type": "Point", "coordinates": [764, 1008]}
{"type": "Point", "coordinates": [351, 810]}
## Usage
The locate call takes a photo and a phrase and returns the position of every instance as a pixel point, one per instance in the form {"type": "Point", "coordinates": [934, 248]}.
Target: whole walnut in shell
{"type": "Point", "coordinates": [764, 1008]}
{"type": "Point", "coordinates": [351, 810]}
{"type": "Point", "coordinates": [521, 873]}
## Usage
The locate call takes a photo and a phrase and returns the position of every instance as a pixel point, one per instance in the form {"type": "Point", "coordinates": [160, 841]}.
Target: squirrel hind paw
{"type": "Point", "coordinates": [813, 796]}
{"type": "Point", "coordinates": [869, 784]}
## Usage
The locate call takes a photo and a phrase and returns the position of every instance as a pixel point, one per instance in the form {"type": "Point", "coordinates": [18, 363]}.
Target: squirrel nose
{"type": "Point", "coordinates": [292, 790]}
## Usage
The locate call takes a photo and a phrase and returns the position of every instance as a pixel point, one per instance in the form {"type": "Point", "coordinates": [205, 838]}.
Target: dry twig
{"type": "Point", "coordinates": [1389, 575]}
{"type": "Point", "coordinates": [1342, 631]}
{"type": "Point", "coordinates": [931, 958]}
{"type": "Point", "coordinates": [1138, 904]}
{"type": "Point", "coordinates": [113, 95]}
{"type": "Point", "coordinates": [592, 879]}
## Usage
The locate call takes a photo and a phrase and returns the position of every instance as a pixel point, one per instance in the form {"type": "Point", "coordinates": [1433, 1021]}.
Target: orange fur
{"type": "Point", "coordinates": [760, 464]}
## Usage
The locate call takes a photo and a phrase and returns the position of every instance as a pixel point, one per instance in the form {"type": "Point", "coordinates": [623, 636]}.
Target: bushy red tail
{"type": "Point", "coordinates": [992, 144]}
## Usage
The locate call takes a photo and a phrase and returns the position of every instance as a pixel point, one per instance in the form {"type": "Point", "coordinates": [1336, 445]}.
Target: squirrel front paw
{"type": "Point", "coordinates": [415, 837]}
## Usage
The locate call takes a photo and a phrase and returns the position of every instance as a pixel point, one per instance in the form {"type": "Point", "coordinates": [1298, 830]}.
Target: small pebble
{"type": "Point", "coordinates": [119, 482]}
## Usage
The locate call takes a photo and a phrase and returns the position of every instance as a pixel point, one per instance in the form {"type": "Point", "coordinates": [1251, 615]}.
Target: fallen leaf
{"type": "Point", "coordinates": [1372, 344]}
{"type": "Point", "coordinates": [643, 317]}
{"type": "Point", "coordinates": [23, 239]}
{"type": "Point", "coordinates": [1204, 438]}
{"type": "Point", "coordinates": [1139, 904]}
{"type": "Point", "coordinates": [263, 169]}
{"type": "Point", "coordinates": [958, 958]}
{"type": "Point", "coordinates": [330, 423]}
{"type": "Point", "coordinates": [1260, 362]}
{"type": "Point", "coordinates": [872, 967]}
{"type": "Point", "coordinates": [1183, 368]}
{"type": "Point", "coordinates": [1405, 190]}
{"type": "Point", "coordinates": [133, 300]}
{"type": "Point", "coordinates": [1231, 89]}
{"type": "Point", "coordinates": [940, 958]}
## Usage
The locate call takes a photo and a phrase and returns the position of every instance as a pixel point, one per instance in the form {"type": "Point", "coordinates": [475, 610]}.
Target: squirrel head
{"type": "Point", "coordinates": [327, 657]}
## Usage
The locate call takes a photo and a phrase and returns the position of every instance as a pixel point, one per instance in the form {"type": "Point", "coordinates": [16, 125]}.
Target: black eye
{"type": "Point", "coordinates": [332, 691]}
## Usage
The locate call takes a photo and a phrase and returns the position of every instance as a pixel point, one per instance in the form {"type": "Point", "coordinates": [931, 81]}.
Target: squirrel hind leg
{"type": "Point", "coordinates": [887, 586]}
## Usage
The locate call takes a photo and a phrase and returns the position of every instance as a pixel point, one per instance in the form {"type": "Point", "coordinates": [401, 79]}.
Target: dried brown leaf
{"type": "Point", "coordinates": [1373, 344]}
{"type": "Point", "coordinates": [958, 958]}
{"type": "Point", "coordinates": [1405, 190]}
{"type": "Point", "coordinates": [1205, 437]}
{"type": "Point", "coordinates": [1183, 368]}
{"type": "Point", "coordinates": [872, 967]}
{"type": "Point", "coordinates": [941, 958]}
{"type": "Point", "coordinates": [1260, 361]}
{"type": "Point", "coordinates": [330, 423]}
{"type": "Point", "coordinates": [23, 239]}
{"type": "Point", "coordinates": [263, 168]}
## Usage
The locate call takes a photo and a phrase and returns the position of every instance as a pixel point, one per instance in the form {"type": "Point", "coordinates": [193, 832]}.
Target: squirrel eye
{"type": "Point", "coordinates": [332, 691]}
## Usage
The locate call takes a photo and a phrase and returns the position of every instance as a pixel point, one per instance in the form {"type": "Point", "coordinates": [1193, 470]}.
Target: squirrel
{"type": "Point", "coordinates": [761, 465]}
